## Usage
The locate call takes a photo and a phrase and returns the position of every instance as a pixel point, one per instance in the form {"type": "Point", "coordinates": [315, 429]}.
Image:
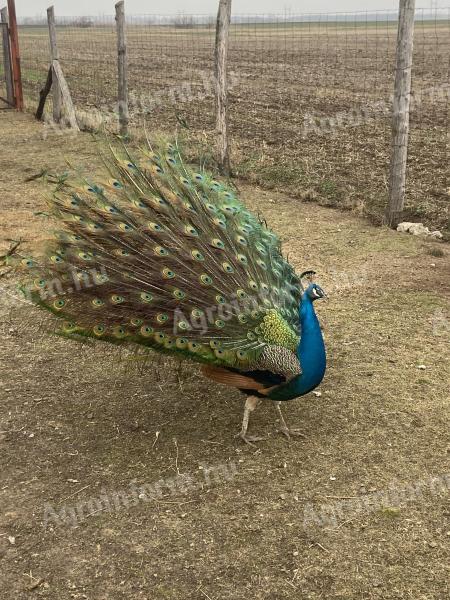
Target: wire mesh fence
{"type": "Point", "coordinates": [310, 95]}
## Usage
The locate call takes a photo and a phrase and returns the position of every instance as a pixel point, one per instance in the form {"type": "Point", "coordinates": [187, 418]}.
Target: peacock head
{"type": "Point", "coordinates": [314, 292]}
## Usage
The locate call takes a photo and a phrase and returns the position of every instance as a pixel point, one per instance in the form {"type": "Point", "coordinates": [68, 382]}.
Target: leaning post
{"type": "Point", "coordinates": [57, 96]}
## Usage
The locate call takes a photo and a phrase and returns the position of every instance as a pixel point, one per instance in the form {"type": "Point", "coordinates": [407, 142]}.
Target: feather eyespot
{"type": "Point", "coordinates": [122, 252]}
{"type": "Point", "coordinates": [215, 185]}
{"type": "Point", "coordinates": [183, 325]}
{"type": "Point", "coordinates": [116, 299]}
{"type": "Point", "coordinates": [171, 160]}
{"type": "Point", "coordinates": [185, 181]}
{"type": "Point", "coordinates": [181, 343]}
{"type": "Point", "coordinates": [160, 251]}
{"type": "Point", "coordinates": [99, 330]}
{"type": "Point", "coordinates": [242, 319]}
{"type": "Point", "coordinates": [241, 240]}
{"type": "Point", "coordinates": [57, 259]}
{"type": "Point", "coordinates": [215, 344]}
{"type": "Point", "coordinates": [206, 279]}
{"type": "Point", "coordinates": [117, 184]}
{"type": "Point", "coordinates": [189, 230]}
{"type": "Point", "coordinates": [255, 314]}
{"type": "Point", "coordinates": [146, 331]}
{"type": "Point", "coordinates": [154, 227]}
{"type": "Point", "coordinates": [194, 346]}
{"type": "Point", "coordinates": [162, 318]}
{"type": "Point", "coordinates": [251, 336]}
{"type": "Point", "coordinates": [145, 297]}
{"type": "Point", "coordinates": [219, 352]}
{"type": "Point", "coordinates": [59, 304]}
{"type": "Point", "coordinates": [125, 227]}
{"type": "Point", "coordinates": [242, 259]}
{"type": "Point", "coordinates": [136, 322]}
{"type": "Point", "coordinates": [221, 223]}
{"type": "Point", "coordinates": [112, 210]}
{"type": "Point", "coordinates": [220, 299]}
{"type": "Point", "coordinates": [217, 243]}
{"type": "Point", "coordinates": [198, 177]}
{"type": "Point", "coordinates": [219, 323]}
{"type": "Point", "coordinates": [241, 294]}
{"type": "Point", "coordinates": [241, 355]}
{"type": "Point", "coordinates": [28, 263]}
{"type": "Point", "coordinates": [179, 294]}
{"type": "Point", "coordinates": [159, 337]}
{"type": "Point", "coordinates": [168, 274]}
{"type": "Point", "coordinates": [197, 255]}
{"type": "Point", "coordinates": [97, 303]}
{"type": "Point", "coordinates": [39, 283]}
{"type": "Point", "coordinates": [119, 332]}
{"type": "Point", "coordinates": [261, 264]}
{"type": "Point", "coordinates": [211, 207]}
{"type": "Point", "coordinates": [261, 249]}
{"type": "Point", "coordinates": [197, 313]}
{"type": "Point", "coordinates": [253, 285]}
{"type": "Point", "coordinates": [227, 267]}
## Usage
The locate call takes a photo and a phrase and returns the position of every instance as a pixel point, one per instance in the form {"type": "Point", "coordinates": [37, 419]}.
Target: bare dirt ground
{"type": "Point", "coordinates": [310, 519]}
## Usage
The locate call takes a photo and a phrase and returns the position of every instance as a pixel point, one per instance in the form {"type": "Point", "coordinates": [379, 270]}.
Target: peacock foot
{"type": "Point", "coordinates": [291, 432]}
{"type": "Point", "coordinates": [285, 429]}
{"type": "Point", "coordinates": [249, 439]}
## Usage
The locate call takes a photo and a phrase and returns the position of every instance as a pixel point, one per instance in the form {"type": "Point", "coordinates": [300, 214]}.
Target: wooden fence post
{"type": "Point", "coordinates": [15, 55]}
{"type": "Point", "coordinates": [401, 106]}
{"type": "Point", "coordinates": [7, 58]}
{"type": "Point", "coordinates": [221, 59]}
{"type": "Point", "coordinates": [57, 97]}
{"type": "Point", "coordinates": [122, 69]}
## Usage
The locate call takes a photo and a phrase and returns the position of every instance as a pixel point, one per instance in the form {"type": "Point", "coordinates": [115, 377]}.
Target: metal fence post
{"type": "Point", "coordinates": [122, 69]}
{"type": "Point", "coordinates": [221, 59]}
{"type": "Point", "coordinates": [401, 106]}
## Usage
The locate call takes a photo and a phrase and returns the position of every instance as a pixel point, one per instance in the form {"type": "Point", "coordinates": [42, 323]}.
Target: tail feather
{"type": "Point", "coordinates": [165, 257]}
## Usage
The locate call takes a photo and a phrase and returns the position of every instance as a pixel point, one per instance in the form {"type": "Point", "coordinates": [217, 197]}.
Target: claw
{"type": "Point", "coordinates": [249, 439]}
{"type": "Point", "coordinates": [291, 432]}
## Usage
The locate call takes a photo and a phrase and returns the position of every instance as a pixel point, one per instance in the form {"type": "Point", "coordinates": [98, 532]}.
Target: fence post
{"type": "Point", "coordinates": [57, 96]}
{"type": "Point", "coordinates": [15, 55]}
{"type": "Point", "coordinates": [221, 59]}
{"type": "Point", "coordinates": [7, 58]}
{"type": "Point", "coordinates": [401, 106]}
{"type": "Point", "coordinates": [122, 69]}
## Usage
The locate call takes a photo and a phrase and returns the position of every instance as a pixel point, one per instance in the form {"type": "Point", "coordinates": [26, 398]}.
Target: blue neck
{"type": "Point", "coordinates": [311, 355]}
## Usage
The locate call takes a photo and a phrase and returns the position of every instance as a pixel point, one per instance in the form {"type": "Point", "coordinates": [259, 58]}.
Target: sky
{"type": "Point", "coordinates": [106, 7]}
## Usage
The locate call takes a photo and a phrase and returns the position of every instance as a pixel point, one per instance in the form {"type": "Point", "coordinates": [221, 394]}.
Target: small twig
{"type": "Point", "coordinates": [341, 497]}
{"type": "Point", "coordinates": [74, 494]}
{"type": "Point", "coordinates": [176, 457]}
{"type": "Point", "coordinates": [35, 585]}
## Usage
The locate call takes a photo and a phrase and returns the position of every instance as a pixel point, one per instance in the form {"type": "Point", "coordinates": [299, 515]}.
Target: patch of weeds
{"type": "Point", "coordinates": [437, 252]}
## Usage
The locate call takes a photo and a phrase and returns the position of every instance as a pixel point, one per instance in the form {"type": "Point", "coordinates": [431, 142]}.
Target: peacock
{"type": "Point", "coordinates": [158, 254]}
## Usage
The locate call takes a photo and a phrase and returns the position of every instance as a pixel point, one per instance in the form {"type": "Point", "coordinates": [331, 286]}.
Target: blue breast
{"type": "Point", "coordinates": [311, 354]}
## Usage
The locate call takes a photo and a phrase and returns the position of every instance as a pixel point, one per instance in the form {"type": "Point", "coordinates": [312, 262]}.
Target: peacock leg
{"type": "Point", "coordinates": [250, 405]}
{"type": "Point", "coordinates": [285, 430]}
